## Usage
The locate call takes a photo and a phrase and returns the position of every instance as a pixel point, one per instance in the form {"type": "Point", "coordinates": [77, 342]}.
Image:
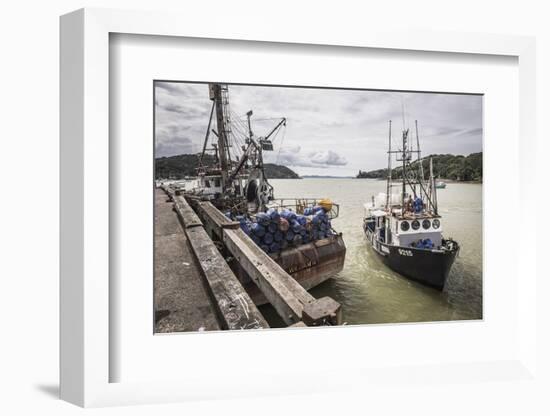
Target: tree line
{"type": "Point", "coordinates": [452, 167]}
{"type": "Point", "coordinates": [180, 166]}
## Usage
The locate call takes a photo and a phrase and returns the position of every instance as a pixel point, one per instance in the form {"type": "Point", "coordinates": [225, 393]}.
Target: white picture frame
{"type": "Point", "coordinates": [85, 265]}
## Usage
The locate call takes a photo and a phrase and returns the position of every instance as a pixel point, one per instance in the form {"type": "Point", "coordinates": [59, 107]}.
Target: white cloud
{"type": "Point", "coordinates": [294, 157]}
{"type": "Point", "coordinates": [328, 157]}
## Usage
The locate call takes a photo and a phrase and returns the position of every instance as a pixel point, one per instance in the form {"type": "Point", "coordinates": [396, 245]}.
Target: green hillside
{"type": "Point", "coordinates": [452, 167]}
{"type": "Point", "coordinates": [177, 167]}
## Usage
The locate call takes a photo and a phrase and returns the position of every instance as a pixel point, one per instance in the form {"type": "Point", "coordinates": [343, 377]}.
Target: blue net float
{"type": "Point", "coordinates": [273, 214]}
{"type": "Point", "coordinates": [274, 248]}
{"type": "Point", "coordinates": [296, 227]}
{"type": "Point", "coordinates": [258, 229]}
{"type": "Point", "coordinates": [263, 219]}
{"type": "Point", "coordinates": [245, 227]}
{"type": "Point", "coordinates": [278, 236]}
{"type": "Point", "coordinates": [289, 235]}
{"type": "Point", "coordinates": [286, 227]}
{"type": "Point", "coordinates": [288, 214]}
{"type": "Point", "coordinates": [268, 238]}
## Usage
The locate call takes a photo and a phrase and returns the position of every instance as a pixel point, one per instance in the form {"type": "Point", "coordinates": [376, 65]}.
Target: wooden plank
{"type": "Point", "coordinates": [282, 291]}
{"type": "Point", "coordinates": [235, 308]}
{"type": "Point", "coordinates": [168, 190]}
{"type": "Point", "coordinates": [214, 219]}
{"type": "Point", "coordinates": [187, 216]}
{"type": "Point", "coordinates": [324, 311]}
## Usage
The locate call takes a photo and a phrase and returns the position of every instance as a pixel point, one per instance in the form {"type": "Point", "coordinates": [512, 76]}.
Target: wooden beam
{"type": "Point", "coordinates": [324, 311]}
{"type": "Point", "coordinates": [282, 291]}
{"type": "Point", "coordinates": [187, 216]}
{"type": "Point", "coordinates": [236, 309]}
{"type": "Point", "coordinates": [298, 325]}
{"type": "Point", "coordinates": [214, 220]}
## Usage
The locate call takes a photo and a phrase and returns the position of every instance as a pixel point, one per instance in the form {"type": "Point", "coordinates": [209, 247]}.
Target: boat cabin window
{"type": "Point", "coordinates": [217, 183]}
{"type": "Point", "coordinates": [207, 183]}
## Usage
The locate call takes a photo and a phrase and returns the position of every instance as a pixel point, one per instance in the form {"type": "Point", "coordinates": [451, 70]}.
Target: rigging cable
{"type": "Point", "coordinates": [280, 147]}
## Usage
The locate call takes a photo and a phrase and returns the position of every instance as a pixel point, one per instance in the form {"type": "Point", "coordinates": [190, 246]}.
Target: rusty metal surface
{"type": "Point", "coordinates": [330, 255]}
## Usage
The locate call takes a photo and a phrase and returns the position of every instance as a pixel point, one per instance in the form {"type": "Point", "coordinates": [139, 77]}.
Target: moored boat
{"type": "Point", "coordinates": [296, 232]}
{"type": "Point", "coordinates": [405, 228]}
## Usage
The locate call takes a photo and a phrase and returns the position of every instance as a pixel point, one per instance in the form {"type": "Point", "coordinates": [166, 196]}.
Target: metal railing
{"type": "Point", "coordinates": [298, 205]}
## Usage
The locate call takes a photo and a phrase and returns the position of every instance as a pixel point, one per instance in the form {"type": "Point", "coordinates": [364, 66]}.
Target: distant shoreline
{"type": "Point", "coordinates": [449, 181]}
{"type": "Point", "coordinates": [479, 182]}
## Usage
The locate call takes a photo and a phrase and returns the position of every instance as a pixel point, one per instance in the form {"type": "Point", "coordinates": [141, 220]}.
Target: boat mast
{"type": "Point", "coordinates": [219, 94]}
{"type": "Point", "coordinates": [404, 157]}
{"type": "Point", "coordinates": [432, 185]}
{"type": "Point", "coordinates": [388, 176]}
{"type": "Point", "coordinates": [419, 157]}
{"type": "Point", "coordinates": [207, 134]}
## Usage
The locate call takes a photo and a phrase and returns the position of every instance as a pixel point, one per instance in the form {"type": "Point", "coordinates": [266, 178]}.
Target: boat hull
{"type": "Point", "coordinates": [310, 264]}
{"type": "Point", "coordinates": [429, 267]}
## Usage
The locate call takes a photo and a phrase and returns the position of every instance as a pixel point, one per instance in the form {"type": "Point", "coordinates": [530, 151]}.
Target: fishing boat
{"type": "Point", "coordinates": [296, 232]}
{"type": "Point", "coordinates": [405, 228]}
{"type": "Point", "coordinates": [440, 185]}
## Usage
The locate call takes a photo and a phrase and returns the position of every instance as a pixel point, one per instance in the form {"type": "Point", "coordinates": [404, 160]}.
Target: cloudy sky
{"type": "Point", "coordinates": [328, 132]}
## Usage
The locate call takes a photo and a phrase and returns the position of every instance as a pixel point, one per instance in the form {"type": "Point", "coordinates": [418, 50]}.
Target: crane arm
{"type": "Point", "coordinates": [243, 160]}
{"type": "Point", "coordinates": [282, 122]}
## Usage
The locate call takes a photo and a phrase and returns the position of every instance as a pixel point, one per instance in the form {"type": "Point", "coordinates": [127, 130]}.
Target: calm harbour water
{"type": "Point", "coordinates": [369, 291]}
